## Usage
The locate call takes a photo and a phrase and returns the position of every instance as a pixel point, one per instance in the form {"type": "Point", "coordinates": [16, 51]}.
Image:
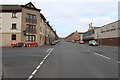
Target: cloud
{"type": "Point", "coordinates": [67, 16]}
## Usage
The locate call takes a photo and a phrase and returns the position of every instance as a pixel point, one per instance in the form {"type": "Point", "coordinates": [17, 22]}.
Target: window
{"type": "Point", "coordinates": [31, 18]}
{"type": "Point", "coordinates": [107, 30]}
{"type": "Point", "coordinates": [28, 15]}
{"type": "Point", "coordinates": [102, 31]}
{"type": "Point", "coordinates": [40, 29]}
{"type": "Point", "coordinates": [113, 29]}
{"type": "Point", "coordinates": [13, 36]}
{"type": "Point", "coordinates": [14, 26]}
{"type": "Point", "coordinates": [34, 16]}
{"type": "Point", "coordinates": [30, 28]}
{"type": "Point", "coordinates": [30, 38]}
{"type": "Point", "coordinates": [118, 28]}
{"type": "Point", "coordinates": [14, 14]}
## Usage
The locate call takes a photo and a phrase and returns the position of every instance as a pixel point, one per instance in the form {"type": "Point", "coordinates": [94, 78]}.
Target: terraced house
{"type": "Point", "coordinates": [22, 23]}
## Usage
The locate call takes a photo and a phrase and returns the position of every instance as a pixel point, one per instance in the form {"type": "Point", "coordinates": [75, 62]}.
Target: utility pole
{"type": "Point", "coordinates": [99, 35]}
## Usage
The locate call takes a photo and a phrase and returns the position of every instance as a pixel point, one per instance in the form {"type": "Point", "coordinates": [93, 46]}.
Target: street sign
{"type": "Point", "coordinates": [99, 35]}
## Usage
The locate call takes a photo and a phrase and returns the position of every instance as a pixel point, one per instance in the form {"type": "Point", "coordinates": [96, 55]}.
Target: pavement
{"type": "Point", "coordinates": [64, 60]}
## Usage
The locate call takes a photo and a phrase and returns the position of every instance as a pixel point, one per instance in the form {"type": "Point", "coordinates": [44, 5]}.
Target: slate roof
{"type": "Point", "coordinates": [10, 8]}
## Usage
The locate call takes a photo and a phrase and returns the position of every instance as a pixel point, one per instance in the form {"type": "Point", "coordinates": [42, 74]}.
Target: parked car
{"type": "Point", "coordinates": [73, 41]}
{"type": "Point", "coordinates": [81, 42]}
{"type": "Point", "coordinates": [54, 42]}
{"type": "Point", "coordinates": [93, 43]}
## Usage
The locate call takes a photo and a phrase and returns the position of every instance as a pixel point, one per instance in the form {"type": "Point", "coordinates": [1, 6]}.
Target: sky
{"type": "Point", "coordinates": [67, 16]}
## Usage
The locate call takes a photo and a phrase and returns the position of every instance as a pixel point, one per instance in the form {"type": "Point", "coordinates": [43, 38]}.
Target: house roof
{"type": "Point", "coordinates": [30, 6]}
{"type": "Point", "coordinates": [7, 8]}
{"type": "Point", "coordinates": [42, 16]}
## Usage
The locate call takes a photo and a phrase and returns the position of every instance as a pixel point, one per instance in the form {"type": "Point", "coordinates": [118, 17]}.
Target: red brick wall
{"type": "Point", "coordinates": [75, 36]}
{"type": "Point", "coordinates": [110, 41]}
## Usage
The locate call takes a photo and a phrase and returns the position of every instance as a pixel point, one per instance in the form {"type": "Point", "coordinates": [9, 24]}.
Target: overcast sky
{"type": "Point", "coordinates": [67, 16]}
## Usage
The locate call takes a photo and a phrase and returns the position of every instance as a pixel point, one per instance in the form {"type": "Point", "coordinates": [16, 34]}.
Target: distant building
{"type": "Point", "coordinates": [90, 34]}
{"type": "Point", "coordinates": [108, 34]}
{"type": "Point", "coordinates": [105, 35]}
{"type": "Point", "coordinates": [76, 36]}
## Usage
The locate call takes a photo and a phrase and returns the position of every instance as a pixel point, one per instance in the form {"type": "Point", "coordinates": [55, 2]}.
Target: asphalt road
{"type": "Point", "coordinates": [20, 62]}
{"type": "Point", "coordinates": [73, 60]}
{"type": "Point", "coordinates": [65, 60]}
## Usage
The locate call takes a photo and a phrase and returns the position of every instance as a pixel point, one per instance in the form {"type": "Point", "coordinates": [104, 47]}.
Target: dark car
{"type": "Point", "coordinates": [54, 42]}
{"type": "Point", "coordinates": [93, 43]}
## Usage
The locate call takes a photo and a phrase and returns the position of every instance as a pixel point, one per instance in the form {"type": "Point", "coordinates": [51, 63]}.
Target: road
{"type": "Point", "coordinates": [20, 62]}
{"type": "Point", "coordinates": [72, 60]}
{"type": "Point", "coordinates": [65, 60]}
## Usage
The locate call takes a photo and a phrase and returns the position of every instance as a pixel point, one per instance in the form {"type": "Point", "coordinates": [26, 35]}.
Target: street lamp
{"type": "Point", "coordinates": [99, 35]}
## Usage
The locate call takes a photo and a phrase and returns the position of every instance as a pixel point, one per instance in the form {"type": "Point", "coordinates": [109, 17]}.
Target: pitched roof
{"type": "Point", "coordinates": [10, 8]}
{"type": "Point", "coordinates": [42, 16]}
{"type": "Point", "coordinates": [30, 6]}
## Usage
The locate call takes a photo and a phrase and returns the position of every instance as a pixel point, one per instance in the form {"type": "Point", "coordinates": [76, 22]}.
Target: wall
{"type": "Point", "coordinates": [37, 13]}
{"type": "Point", "coordinates": [6, 25]}
{"type": "Point", "coordinates": [109, 36]}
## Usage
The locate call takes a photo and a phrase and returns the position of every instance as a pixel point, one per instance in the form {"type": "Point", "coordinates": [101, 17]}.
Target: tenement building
{"type": "Point", "coordinates": [22, 23]}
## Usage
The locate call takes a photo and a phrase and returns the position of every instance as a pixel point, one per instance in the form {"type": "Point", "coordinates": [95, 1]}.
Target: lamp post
{"type": "Point", "coordinates": [99, 35]}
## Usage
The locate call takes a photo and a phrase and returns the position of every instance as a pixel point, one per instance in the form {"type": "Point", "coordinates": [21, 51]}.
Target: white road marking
{"type": "Point", "coordinates": [34, 72]}
{"type": "Point", "coordinates": [38, 67]}
{"type": "Point", "coordinates": [118, 61]}
{"type": "Point", "coordinates": [102, 56]}
{"type": "Point", "coordinates": [42, 62]}
{"type": "Point", "coordinates": [45, 57]}
{"type": "Point", "coordinates": [29, 77]}
{"type": "Point", "coordinates": [48, 50]}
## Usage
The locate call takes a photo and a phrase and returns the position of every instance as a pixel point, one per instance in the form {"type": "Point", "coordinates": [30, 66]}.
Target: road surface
{"type": "Point", "coordinates": [65, 60]}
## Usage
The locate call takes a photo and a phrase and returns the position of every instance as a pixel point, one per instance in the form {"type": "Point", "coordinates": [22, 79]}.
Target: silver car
{"type": "Point", "coordinates": [93, 43]}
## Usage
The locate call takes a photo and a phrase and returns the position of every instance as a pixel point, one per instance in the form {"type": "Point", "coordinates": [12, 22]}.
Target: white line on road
{"type": "Point", "coordinates": [48, 50]}
{"type": "Point", "coordinates": [102, 56]}
{"type": "Point", "coordinates": [34, 71]}
{"type": "Point", "coordinates": [118, 61]}
{"type": "Point", "coordinates": [29, 77]}
{"type": "Point", "coordinates": [38, 67]}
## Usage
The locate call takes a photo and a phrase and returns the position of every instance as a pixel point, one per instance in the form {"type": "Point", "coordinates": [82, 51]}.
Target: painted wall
{"type": "Point", "coordinates": [6, 25]}
{"type": "Point", "coordinates": [24, 14]}
{"type": "Point", "coordinates": [107, 31]}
